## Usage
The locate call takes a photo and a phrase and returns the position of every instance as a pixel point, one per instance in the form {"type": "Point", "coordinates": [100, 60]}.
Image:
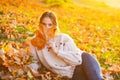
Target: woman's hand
{"type": "Point", "coordinates": [35, 73]}
{"type": "Point", "coordinates": [51, 46]}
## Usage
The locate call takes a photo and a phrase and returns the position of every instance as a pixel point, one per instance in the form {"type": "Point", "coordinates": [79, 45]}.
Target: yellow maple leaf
{"type": "Point", "coordinates": [6, 48]}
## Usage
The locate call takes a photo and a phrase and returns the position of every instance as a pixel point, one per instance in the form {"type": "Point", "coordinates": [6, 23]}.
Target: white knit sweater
{"type": "Point", "coordinates": [63, 59]}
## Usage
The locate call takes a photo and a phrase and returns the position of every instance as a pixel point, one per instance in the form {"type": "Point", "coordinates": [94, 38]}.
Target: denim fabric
{"type": "Point", "coordinates": [88, 70]}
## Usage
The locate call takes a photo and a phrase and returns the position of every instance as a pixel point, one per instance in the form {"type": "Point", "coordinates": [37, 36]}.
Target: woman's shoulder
{"type": "Point", "coordinates": [62, 35]}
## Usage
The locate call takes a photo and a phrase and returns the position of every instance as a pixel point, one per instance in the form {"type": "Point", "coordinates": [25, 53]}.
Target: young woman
{"type": "Point", "coordinates": [59, 53]}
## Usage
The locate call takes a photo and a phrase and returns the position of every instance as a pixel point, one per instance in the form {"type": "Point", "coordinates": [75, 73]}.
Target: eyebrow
{"type": "Point", "coordinates": [46, 23]}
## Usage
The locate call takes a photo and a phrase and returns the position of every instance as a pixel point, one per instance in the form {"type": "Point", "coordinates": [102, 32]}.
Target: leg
{"type": "Point", "coordinates": [91, 67]}
{"type": "Point", "coordinates": [88, 70]}
{"type": "Point", "coordinates": [79, 74]}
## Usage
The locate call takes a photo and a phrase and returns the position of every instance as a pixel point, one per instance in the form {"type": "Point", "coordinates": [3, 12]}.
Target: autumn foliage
{"type": "Point", "coordinates": [94, 28]}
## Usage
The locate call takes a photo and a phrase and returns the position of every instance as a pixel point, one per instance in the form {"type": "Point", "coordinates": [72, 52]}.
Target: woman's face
{"type": "Point", "coordinates": [48, 27]}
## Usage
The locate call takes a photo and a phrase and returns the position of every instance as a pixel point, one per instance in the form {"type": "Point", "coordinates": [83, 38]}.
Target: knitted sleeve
{"type": "Point", "coordinates": [67, 50]}
{"type": "Point", "coordinates": [34, 65]}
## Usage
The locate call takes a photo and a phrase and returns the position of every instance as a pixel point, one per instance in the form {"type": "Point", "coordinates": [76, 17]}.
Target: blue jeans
{"type": "Point", "coordinates": [88, 70]}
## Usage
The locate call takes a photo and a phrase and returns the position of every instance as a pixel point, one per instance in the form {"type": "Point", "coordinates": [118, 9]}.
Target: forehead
{"type": "Point", "coordinates": [46, 20]}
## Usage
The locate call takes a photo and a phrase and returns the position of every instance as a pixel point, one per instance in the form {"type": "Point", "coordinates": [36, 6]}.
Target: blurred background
{"type": "Point", "coordinates": [93, 24]}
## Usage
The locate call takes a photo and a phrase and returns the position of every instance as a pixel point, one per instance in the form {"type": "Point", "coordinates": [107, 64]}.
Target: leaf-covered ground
{"type": "Point", "coordinates": [95, 27]}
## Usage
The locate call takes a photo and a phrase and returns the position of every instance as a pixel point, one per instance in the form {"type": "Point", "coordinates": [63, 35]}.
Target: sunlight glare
{"type": "Point", "coordinates": [112, 3]}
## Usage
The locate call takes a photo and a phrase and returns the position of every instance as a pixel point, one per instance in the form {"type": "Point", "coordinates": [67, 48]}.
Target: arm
{"type": "Point", "coordinates": [34, 66]}
{"type": "Point", "coordinates": [67, 50]}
